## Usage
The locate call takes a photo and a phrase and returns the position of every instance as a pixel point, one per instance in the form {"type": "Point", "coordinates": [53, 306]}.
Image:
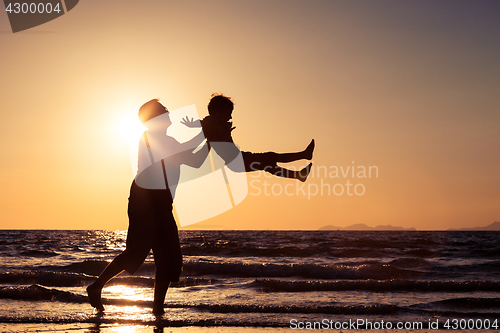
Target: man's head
{"type": "Point", "coordinates": [151, 109]}
{"type": "Point", "coordinates": [220, 106]}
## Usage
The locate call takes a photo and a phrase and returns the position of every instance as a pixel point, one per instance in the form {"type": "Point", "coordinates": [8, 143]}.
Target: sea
{"type": "Point", "coordinates": [288, 279]}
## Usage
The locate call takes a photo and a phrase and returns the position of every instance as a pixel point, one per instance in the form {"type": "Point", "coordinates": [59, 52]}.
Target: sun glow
{"type": "Point", "coordinates": [128, 130]}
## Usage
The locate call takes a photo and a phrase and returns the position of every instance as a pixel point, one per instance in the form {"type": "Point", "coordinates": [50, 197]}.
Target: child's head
{"type": "Point", "coordinates": [151, 109]}
{"type": "Point", "coordinates": [220, 106]}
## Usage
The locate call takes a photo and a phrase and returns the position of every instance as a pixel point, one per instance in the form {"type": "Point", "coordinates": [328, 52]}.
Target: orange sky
{"type": "Point", "coordinates": [409, 87]}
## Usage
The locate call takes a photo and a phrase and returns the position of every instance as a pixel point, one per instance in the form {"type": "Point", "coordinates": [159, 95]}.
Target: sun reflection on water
{"type": "Point", "coordinates": [130, 313]}
{"type": "Point", "coordinates": [126, 329]}
{"type": "Point", "coordinates": [129, 293]}
{"type": "Point", "coordinates": [111, 240]}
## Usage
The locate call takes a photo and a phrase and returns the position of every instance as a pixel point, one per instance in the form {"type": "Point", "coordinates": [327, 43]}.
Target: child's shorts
{"type": "Point", "coordinates": [259, 161]}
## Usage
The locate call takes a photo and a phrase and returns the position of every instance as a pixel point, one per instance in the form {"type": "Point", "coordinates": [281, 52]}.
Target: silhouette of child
{"type": "Point", "coordinates": [217, 128]}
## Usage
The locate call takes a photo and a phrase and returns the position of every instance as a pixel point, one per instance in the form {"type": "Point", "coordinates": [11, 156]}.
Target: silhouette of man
{"type": "Point", "coordinates": [151, 222]}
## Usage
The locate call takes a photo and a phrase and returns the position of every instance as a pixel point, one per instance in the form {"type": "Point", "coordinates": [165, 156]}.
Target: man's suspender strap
{"type": "Point", "coordinates": [153, 161]}
{"type": "Point", "coordinates": [149, 148]}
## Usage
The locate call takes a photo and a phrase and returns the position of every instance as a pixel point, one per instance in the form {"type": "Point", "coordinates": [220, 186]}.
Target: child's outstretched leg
{"type": "Point", "coordinates": [306, 154]}
{"type": "Point", "coordinates": [282, 172]}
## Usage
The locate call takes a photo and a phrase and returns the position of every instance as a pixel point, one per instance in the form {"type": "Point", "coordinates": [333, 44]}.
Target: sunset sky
{"type": "Point", "coordinates": [409, 87]}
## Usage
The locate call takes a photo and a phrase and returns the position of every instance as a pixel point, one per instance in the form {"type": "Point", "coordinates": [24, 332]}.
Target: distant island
{"type": "Point", "coordinates": [495, 226]}
{"type": "Point", "coordinates": [362, 226]}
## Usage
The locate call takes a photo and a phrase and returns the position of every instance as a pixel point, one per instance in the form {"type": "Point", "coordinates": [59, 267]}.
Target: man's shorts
{"type": "Point", "coordinates": [152, 227]}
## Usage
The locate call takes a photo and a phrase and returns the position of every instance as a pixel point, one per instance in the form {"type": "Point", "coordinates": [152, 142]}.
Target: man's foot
{"type": "Point", "coordinates": [304, 173]}
{"type": "Point", "coordinates": [94, 294]}
{"type": "Point", "coordinates": [308, 152]}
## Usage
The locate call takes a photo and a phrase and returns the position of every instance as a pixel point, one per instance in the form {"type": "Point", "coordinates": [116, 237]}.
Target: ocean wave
{"type": "Point", "coordinates": [410, 262]}
{"type": "Point", "coordinates": [294, 244]}
{"type": "Point", "coordinates": [38, 293]}
{"type": "Point", "coordinates": [325, 309]}
{"type": "Point", "coordinates": [377, 271]}
{"type": "Point", "coordinates": [60, 279]}
{"type": "Point", "coordinates": [39, 253]}
{"type": "Point", "coordinates": [45, 278]}
{"type": "Point", "coordinates": [358, 249]}
{"type": "Point", "coordinates": [484, 253]}
{"type": "Point", "coordinates": [463, 306]}
{"type": "Point", "coordinates": [273, 285]}
{"type": "Point", "coordinates": [290, 244]}
{"type": "Point", "coordinates": [235, 249]}
{"type": "Point", "coordinates": [90, 267]}
{"type": "Point", "coordinates": [457, 307]}
{"type": "Point", "coordinates": [423, 253]}
{"type": "Point", "coordinates": [350, 271]}
{"type": "Point", "coordinates": [465, 303]}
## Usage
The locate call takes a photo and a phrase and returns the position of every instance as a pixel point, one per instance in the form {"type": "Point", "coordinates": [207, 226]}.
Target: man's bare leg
{"type": "Point", "coordinates": [161, 287]}
{"type": "Point", "coordinates": [94, 290]}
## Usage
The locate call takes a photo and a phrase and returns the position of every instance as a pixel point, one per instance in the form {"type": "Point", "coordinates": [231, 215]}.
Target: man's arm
{"type": "Point", "coordinates": [187, 156]}
{"type": "Point", "coordinates": [228, 151]}
{"type": "Point", "coordinates": [193, 143]}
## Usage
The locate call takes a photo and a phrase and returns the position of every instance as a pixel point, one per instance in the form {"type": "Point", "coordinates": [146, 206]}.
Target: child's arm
{"type": "Point", "coordinates": [190, 123]}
